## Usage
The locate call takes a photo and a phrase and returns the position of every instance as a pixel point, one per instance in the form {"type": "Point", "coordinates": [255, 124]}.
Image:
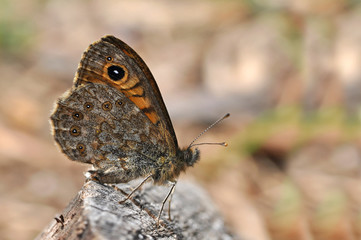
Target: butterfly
{"type": "Point", "coordinates": [114, 118]}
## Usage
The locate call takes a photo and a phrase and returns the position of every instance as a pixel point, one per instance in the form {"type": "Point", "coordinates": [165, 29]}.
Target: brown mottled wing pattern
{"type": "Point", "coordinates": [100, 125]}
{"type": "Point", "coordinates": [138, 85]}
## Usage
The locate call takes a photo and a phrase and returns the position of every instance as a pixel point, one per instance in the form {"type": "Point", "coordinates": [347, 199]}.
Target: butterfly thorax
{"type": "Point", "coordinates": [171, 168]}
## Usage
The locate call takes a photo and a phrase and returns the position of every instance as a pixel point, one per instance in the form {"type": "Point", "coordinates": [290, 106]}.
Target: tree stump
{"type": "Point", "coordinates": [95, 213]}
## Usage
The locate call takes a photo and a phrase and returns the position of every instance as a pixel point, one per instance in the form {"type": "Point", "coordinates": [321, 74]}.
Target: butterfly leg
{"type": "Point", "coordinates": [135, 189]}
{"type": "Point", "coordinates": [170, 194]}
{"type": "Point", "coordinates": [170, 200]}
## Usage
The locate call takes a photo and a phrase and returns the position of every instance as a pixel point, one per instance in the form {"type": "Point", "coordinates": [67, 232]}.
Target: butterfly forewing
{"type": "Point", "coordinates": [111, 61]}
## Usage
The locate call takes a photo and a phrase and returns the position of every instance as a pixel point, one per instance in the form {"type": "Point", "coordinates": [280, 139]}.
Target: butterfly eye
{"type": "Point", "coordinates": [116, 73]}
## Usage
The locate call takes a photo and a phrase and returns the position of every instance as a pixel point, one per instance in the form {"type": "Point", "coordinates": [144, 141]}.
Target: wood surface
{"type": "Point", "coordinates": [95, 213]}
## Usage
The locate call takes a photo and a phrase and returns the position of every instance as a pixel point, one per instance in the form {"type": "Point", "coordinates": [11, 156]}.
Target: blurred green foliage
{"type": "Point", "coordinates": [16, 29]}
{"type": "Point", "coordinates": [305, 125]}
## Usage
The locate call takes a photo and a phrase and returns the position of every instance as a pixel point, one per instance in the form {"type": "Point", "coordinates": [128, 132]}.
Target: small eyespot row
{"type": "Point", "coordinates": [88, 106]}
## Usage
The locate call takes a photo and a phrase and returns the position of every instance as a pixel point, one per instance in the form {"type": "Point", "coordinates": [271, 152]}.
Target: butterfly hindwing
{"type": "Point", "coordinates": [98, 125]}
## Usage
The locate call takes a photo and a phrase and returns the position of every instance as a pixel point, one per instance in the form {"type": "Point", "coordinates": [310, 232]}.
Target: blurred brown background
{"type": "Point", "coordinates": [289, 72]}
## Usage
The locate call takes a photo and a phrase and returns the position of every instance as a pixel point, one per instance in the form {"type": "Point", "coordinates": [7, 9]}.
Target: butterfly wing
{"type": "Point", "coordinates": [100, 125]}
{"type": "Point", "coordinates": [112, 62]}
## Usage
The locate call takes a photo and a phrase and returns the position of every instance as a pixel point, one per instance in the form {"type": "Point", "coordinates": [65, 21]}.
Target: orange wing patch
{"type": "Point", "coordinates": [136, 93]}
{"type": "Point", "coordinates": [144, 104]}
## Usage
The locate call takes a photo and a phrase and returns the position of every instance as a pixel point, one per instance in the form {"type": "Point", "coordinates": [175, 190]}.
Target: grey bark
{"type": "Point", "coordinates": [95, 213]}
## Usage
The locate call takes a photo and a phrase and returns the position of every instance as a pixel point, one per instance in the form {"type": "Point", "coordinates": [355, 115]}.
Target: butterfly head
{"type": "Point", "coordinates": [189, 156]}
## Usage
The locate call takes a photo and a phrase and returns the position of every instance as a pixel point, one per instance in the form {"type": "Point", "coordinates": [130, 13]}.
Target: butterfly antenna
{"type": "Point", "coordinates": [206, 130]}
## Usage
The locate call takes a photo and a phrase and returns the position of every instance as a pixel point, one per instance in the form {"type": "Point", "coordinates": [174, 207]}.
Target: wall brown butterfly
{"type": "Point", "coordinates": [114, 118]}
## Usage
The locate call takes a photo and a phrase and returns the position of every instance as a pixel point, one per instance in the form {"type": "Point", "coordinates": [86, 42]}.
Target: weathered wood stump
{"type": "Point", "coordinates": [95, 213]}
